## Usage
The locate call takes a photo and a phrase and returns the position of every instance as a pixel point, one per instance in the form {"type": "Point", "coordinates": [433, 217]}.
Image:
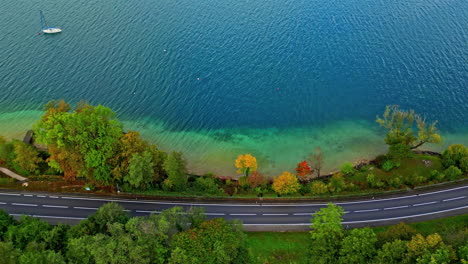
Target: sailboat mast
{"type": "Point", "coordinates": [43, 22]}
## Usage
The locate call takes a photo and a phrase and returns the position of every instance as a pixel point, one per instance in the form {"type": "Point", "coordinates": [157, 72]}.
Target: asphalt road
{"type": "Point", "coordinates": [71, 209]}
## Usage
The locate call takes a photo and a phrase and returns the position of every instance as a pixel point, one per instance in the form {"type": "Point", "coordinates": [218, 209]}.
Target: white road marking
{"type": "Point", "coordinates": [48, 216]}
{"type": "Point", "coordinates": [54, 197]}
{"type": "Point", "coordinates": [41, 196]}
{"type": "Point", "coordinates": [366, 221]}
{"type": "Point", "coordinates": [2, 203]}
{"type": "Point", "coordinates": [86, 208]}
{"type": "Point", "coordinates": [28, 195]}
{"type": "Point", "coordinates": [21, 204]}
{"type": "Point", "coordinates": [215, 214]}
{"type": "Point", "coordinates": [275, 214]}
{"type": "Point", "coordinates": [242, 214]}
{"type": "Point", "coordinates": [368, 210]}
{"type": "Point", "coordinates": [420, 204]}
{"type": "Point", "coordinates": [142, 211]}
{"type": "Point", "coordinates": [397, 207]}
{"type": "Point", "coordinates": [453, 199]}
{"type": "Point", "coordinates": [54, 206]}
{"type": "Point", "coordinates": [12, 194]}
{"type": "Point", "coordinates": [304, 214]}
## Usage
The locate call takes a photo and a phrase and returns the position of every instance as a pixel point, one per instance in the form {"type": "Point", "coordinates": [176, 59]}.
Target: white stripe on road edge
{"type": "Point", "coordinates": [215, 214]}
{"type": "Point", "coordinates": [141, 211]}
{"type": "Point", "coordinates": [242, 214]}
{"type": "Point", "coordinates": [54, 197]}
{"type": "Point", "coordinates": [48, 216]}
{"type": "Point", "coordinates": [2, 203]}
{"type": "Point", "coordinates": [54, 206]}
{"type": "Point", "coordinates": [86, 208]}
{"type": "Point", "coordinates": [41, 196]}
{"type": "Point", "coordinates": [368, 210]}
{"type": "Point", "coordinates": [28, 195]}
{"type": "Point", "coordinates": [424, 203]}
{"type": "Point", "coordinates": [397, 207]}
{"type": "Point", "coordinates": [21, 204]}
{"type": "Point", "coordinates": [275, 214]}
{"type": "Point", "coordinates": [453, 199]}
{"type": "Point", "coordinates": [367, 221]}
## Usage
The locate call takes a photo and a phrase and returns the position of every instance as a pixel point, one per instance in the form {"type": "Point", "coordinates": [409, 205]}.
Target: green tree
{"type": "Point", "coordinates": [401, 231]}
{"type": "Point", "coordinates": [391, 252]}
{"type": "Point", "coordinates": [6, 220]}
{"type": "Point", "coordinates": [41, 257]}
{"type": "Point", "coordinates": [174, 166]}
{"type": "Point", "coordinates": [326, 235]}
{"type": "Point", "coordinates": [8, 253]}
{"type": "Point", "coordinates": [140, 170]}
{"type": "Point", "coordinates": [400, 124]}
{"type": "Point", "coordinates": [453, 155]}
{"type": "Point", "coordinates": [81, 142]}
{"type": "Point", "coordinates": [26, 156]}
{"type": "Point", "coordinates": [214, 241]}
{"type": "Point", "coordinates": [28, 230]}
{"type": "Point", "coordinates": [358, 246]}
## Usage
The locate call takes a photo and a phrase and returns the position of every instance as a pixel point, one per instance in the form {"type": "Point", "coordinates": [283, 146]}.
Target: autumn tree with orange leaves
{"type": "Point", "coordinates": [303, 170]}
{"type": "Point", "coordinates": [286, 183]}
{"type": "Point", "coordinates": [246, 164]}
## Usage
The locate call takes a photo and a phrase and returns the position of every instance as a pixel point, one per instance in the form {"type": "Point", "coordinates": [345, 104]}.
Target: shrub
{"type": "Point", "coordinates": [347, 168]}
{"type": "Point", "coordinates": [453, 155]}
{"type": "Point", "coordinates": [436, 175]}
{"type": "Point", "coordinates": [464, 164]}
{"type": "Point", "coordinates": [400, 231]}
{"type": "Point", "coordinates": [452, 173]}
{"type": "Point", "coordinates": [206, 185]}
{"type": "Point", "coordinates": [168, 185]}
{"type": "Point", "coordinates": [256, 179]}
{"type": "Point", "coordinates": [286, 183]}
{"type": "Point", "coordinates": [337, 183]}
{"type": "Point", "coordinates": [373, 181]}
{"type": "Point", "coordinates": [388, 165]}
{"type": "Point", "coordinates": [399, 151]}
{"type": "Point", "coordinates": [318, 188]}
{"type": "Point", "coordinates": [395, 182]}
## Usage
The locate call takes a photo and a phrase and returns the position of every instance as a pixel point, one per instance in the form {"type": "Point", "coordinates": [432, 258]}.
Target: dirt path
{"type": "Point", "coordinates": [12, 174]}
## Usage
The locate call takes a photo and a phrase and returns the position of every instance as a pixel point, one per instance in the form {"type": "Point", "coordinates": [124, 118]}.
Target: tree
{"type": "Point", "coordinates": [286, 183]}
{"type": "Point", "coordinates": [401, 231]}
{"type": "Point", "coordinates": [318, 188]}
{"type": "Point", "coordinates": [422, 249]}
{"type": "Point", "coordinates": [317, 160]}
{"type": "Point", "coordinates": [454, 155]}
{"type": "Point", "coordinates": [174, 166]}
{"type": "Point", "coordinates": [41, 257]}
{"type": "Point", "coordinates": [81, 142]}
{"type": "Point", "coordinates": [358, 247]}
{"type": "Point", "coordinates": [140, 170]}
{"type": "Point", "coordinates": [337, 183]}
{"type": "Point", "coordinates": [28, 230]}
{"type": "Point", "coordinates": [392, 252]}
{"type": "Point", "coordinates": [246, 164]}
{"type": "Point", "coordinates": [347, 168]}
{"type": "Point", "coordinates": [303, 170]}
{"type": "Point", "coordinates": [326, 235]}
{"type": "Point", "coordinates": [6, 220]}
{"type": "Point", "coordinates": [8, 253]}
{"type": "Point", "coordinates": [26, 156]}
{"type": "Point", "coordinates": [400, 123]}
{"type": "Point", "coordinates": [256, 179]}
{"type": "Point", "coordinates": [215, 241]}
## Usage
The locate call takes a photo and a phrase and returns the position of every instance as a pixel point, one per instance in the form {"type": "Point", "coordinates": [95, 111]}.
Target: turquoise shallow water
{"type": "Point", "coordinates": [215, 79]}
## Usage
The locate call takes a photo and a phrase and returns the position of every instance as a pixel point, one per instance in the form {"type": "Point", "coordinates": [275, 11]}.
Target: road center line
{"type": "Point", "coordinates": [304, 214]}
{"type": "Point", "coordinates": [453, 199]}
{"type": "Point", "coordinates": [275, 214]}
{"type": "Point", "coordinates": [397, 207]}
{"type": "Point", "coordinates": [12, 194]}
{"type": "Point", "coordinates": [41, 196]}
{"type": "Point", "coordinates": [54, 206]}
{"type": "Point", "coordinates": [54, 197]}
{"type": "Point", "coordinates": [215, 214]}
{"type": "Point", "coordinates": [368, 210]}
{"type": "Point", "coordinates": [21, 204]}
{"type": "Point", "coordinates": [86, 208]}
{"type": "Point", "coordinates": [242, 214]}
{"type": "Point", "coordinates": [2, 203]}
{"type": "Point", "coordinates": [28, 195]}
{"type": "Point", "coordinates": [420, 204]}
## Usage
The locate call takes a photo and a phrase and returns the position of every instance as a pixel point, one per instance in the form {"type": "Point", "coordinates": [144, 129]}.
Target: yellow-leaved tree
{"type": "Point", "coordinates": [246, 164]}
{"type": "Point", "coordinates": [286, 183]}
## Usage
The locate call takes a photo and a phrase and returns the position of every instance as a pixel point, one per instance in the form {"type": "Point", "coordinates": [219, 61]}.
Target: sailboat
{"type": "Point", "coordinates": [45, 28]}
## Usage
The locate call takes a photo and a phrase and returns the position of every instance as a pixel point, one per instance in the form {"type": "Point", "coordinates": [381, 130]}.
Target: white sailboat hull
{"type": "Point", "coordinates": [51, 30]}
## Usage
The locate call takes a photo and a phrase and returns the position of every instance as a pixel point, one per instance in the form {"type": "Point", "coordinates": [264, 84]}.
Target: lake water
{"type": "Point", "coordinates": [218, 78]}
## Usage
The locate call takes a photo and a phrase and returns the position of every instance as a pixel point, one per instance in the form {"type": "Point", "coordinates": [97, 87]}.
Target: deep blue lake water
{"type": "Point", "coordinates": [218, 78]}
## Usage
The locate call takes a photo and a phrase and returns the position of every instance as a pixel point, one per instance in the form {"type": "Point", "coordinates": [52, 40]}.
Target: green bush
{"type": "Point", "coordinates": [244, 182]}
{"type": "Point", "coordinates": [206, 185]}
{"type": "Point", "coordinates": [399, 151]}
{"type": "Point", "coordinates": [464, 164]}
{"type": "Point", "coordinates": [337, 183]}
{"type": "Point", "coordinates": [453, 173]}
{"type": "Point", "coordinates": [318, 188]}
{"type": "Point", "coordinates": [347, 168]}
{"type": "Point", "coordinates": [373, 181]}
{"type": "Point", "coordinates": [436, 175]}
{"type": "Point", "coordinates": [395, 182]}
{"type": "Point", "coordinates": [388, 165]}
{"type": "Point", "coordinates": [453, 155]}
